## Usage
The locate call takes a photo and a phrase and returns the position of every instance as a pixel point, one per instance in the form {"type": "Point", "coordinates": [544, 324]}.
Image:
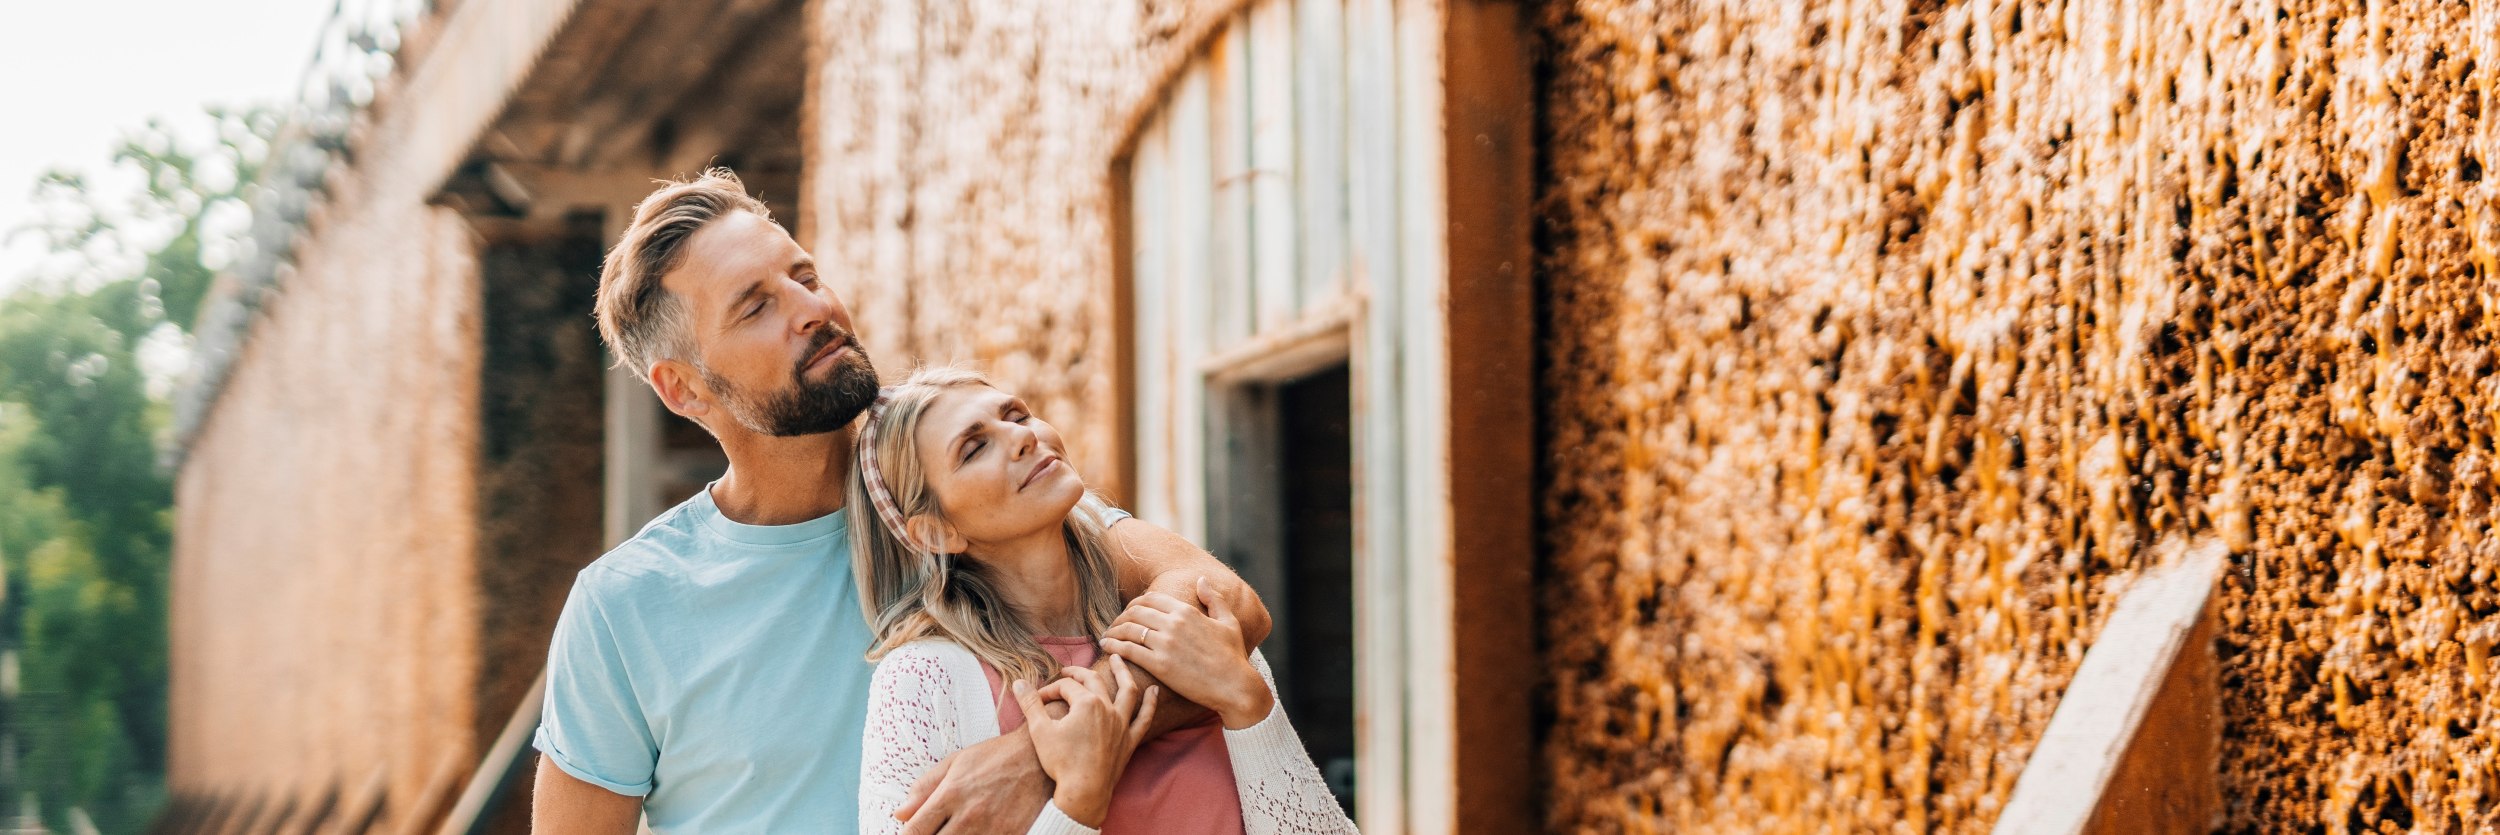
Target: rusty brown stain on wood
{"type": "Point", "coordinates": [2166, 781]}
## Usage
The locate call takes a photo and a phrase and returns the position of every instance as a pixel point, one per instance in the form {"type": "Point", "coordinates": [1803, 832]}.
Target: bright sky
{"type": "Point", "coordinates": [76, 74]}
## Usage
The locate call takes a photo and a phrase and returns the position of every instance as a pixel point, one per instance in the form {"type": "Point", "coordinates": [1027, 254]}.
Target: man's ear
{"type": "Point", "coordinates": [681, 389]}
{"type": "Point", "coordinates": [933, 533]}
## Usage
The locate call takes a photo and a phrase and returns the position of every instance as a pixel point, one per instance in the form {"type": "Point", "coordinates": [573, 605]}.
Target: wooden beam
{"type": "Point", "coordinates": [687, 45]}
{"type": "Point", "coordinates": [752, 109]}
{"type": "Point", "coordinates": [1489, 305]}
{"type": "Point", "coordinates": [569, 74]}
{"type": "Point", "coordinates": [1321, 337]}
{"type": "Point", "coordinates": [438, 116]}
{"type": "Point", "coordinates": [2136, 741]}
{"type": "Point", "coordinates": [557, 195]}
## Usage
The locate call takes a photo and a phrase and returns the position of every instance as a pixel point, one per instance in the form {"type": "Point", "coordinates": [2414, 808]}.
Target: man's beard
{"type": "Point", "coordinates": [807, 407]}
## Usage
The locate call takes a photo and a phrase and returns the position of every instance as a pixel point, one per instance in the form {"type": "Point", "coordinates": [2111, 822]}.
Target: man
{"type": "Point", "coordinates": [707, 674]}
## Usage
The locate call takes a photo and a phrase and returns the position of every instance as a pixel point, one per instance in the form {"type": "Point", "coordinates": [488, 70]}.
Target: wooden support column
{"type": "Point", "coordinates": [632, 472]}
{"type": "Point", "coordinates": [633, 455]}
{"type": "Point", "coordinates": [1489, 114]}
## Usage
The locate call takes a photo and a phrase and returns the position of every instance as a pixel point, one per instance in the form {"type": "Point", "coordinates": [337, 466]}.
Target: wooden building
{"type": "Point", "coordinates": [1691, 417]}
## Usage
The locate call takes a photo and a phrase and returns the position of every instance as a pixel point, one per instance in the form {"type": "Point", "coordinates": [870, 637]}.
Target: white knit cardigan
{"type": "Point", "coordinates": [930, 699]}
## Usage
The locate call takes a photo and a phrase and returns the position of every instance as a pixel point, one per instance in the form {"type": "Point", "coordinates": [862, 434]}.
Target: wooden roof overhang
{"type": "Point", "coordinates": [630, 91]}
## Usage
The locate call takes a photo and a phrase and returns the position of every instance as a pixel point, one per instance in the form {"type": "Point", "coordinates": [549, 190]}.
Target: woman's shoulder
{"type": "Point", "coordinates": [930, 661]}
{"type": "Point", "coordinates": [937, 679]}
{"type": "Point", "coordinates": [928, 647]}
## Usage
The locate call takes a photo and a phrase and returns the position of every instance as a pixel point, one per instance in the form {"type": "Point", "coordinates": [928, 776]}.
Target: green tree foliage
{"type": "Point", "coordinates": [87, 350]}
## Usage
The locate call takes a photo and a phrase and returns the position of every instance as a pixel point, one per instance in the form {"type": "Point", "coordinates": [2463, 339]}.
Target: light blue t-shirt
{"type": "Point", "coordinates": [717, 670]}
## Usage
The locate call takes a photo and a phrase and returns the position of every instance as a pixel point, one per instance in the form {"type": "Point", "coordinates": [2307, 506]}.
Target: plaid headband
{"type": "Point", "coordinates": [879, 494]}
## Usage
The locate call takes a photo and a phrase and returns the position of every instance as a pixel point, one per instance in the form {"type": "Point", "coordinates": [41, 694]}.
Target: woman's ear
{"type": "Point", "coordinates": [931, 533]}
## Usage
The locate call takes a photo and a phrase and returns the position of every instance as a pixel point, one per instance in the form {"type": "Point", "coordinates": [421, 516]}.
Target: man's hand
{"type": "Point", "coordinates": [1157, 560]}
{"type": "Point", "coordinates": [996, 785]}
{"type": "Point", "coordinates": [1160, 560]}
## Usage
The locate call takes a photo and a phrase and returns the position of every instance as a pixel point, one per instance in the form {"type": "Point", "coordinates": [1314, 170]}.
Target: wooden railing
{"type": "Point", "coordinates": [506, 762]}
{"type": "Point", "coordinates": [2136, 741]}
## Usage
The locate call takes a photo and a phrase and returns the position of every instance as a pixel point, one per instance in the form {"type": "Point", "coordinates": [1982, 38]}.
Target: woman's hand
{"type": "Point", "coordinates": [1198, 654]}
{"type": "Point", "coordinates": [1084, 727]}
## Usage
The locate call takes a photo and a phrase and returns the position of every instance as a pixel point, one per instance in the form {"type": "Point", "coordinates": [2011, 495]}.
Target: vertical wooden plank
{"type": "Point", "coordinates": [1229, 318]}
{"type": "Point", "coordinates": [1273, 262]}
{"type": "Point", "coordinates": [1150, 277]}
{"type": "Point", "coordinates": [1380, 585]}
{"type": "Point", "coordinates": [1319, 121]}
{"type": "Point", "coordinates": [1194, 235]}
{"type": "Point", "coordinates": [1423, 396]}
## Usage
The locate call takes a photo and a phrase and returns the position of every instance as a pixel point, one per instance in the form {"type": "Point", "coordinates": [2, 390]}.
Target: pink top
{"type": "Point", "coordinates": [1180, 783]}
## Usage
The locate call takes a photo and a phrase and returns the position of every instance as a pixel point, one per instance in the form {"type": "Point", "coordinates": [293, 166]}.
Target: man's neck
{"type": "Point", "coordinates": [783, 481]}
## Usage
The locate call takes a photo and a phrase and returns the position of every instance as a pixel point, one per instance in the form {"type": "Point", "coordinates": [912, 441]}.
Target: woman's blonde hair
{"type": "Point", "coordinates": [910, 592]}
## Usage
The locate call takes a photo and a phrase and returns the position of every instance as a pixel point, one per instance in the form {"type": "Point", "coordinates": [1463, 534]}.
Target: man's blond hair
{"type": "Point", "coordinates": [640, 320]}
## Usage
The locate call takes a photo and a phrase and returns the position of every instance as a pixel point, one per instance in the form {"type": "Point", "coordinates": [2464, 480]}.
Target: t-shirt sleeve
{"type": "Point", "coordinates": [593, 725]}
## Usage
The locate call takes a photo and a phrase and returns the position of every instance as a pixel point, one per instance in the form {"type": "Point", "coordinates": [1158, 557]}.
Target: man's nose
{"type": "Point", "coordinates": [813, 311]}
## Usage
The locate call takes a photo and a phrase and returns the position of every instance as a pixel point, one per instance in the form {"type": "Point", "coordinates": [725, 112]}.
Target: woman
{"type": "Point", "coordinates": [988, 586]}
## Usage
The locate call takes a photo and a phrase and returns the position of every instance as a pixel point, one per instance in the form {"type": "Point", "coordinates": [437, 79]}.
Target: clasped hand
{"type": "Point", "coordinates": [1199, 654]}
{"type": "Point", "coordinates": [1084, 727]}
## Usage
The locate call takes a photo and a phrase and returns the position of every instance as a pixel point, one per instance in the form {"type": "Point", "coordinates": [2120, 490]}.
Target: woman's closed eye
{"type": "Point", "coordinates": [975, 440]}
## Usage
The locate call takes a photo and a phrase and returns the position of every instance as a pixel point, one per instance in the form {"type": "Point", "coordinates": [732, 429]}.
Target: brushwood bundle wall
{"type": "Point", "coordinates": [960, 184]}
{"type": "Point", "coordinates": [1884, 338]}
{"type": "Point", "coordinates": [326, 612]}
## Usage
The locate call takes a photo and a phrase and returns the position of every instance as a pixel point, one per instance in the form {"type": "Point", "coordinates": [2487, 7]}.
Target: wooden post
{"type": "Point", "coordinates": [1488, 112]}
{"type": "Point", "coordinates": [631, 474]}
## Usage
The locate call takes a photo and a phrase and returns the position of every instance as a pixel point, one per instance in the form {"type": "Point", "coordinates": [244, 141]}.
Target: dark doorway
{"type": "Point", "coordinates": [1316, 623]}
